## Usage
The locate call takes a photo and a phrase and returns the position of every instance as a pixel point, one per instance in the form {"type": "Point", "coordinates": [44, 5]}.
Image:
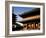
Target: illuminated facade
{"type": "Point", "coordinates": [31, 19]}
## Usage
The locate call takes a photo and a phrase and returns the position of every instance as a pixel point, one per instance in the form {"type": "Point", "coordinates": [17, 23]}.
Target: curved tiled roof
{"type": "Point", "coordinates": [31, 13]}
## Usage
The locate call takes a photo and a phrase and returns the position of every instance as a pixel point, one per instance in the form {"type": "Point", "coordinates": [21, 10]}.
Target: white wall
{"type": "Point", "coordinates": [2, 19]}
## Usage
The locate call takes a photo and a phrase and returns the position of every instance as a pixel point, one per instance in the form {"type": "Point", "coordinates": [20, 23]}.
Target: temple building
{"type": "Point", "coordinates": [31, 19]}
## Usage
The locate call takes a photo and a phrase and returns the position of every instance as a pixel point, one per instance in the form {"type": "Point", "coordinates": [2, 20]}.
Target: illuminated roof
{"type": "Point", "coordinates": [31, 19]}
